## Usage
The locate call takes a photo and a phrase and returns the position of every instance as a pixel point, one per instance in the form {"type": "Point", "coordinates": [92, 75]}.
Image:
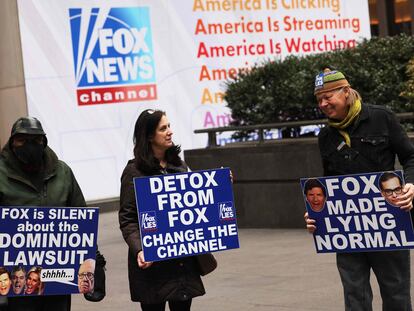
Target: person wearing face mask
{"type": "Point", "coordinates": [32, 175]}
{"type": "Point", "coordinates": [362, 138]}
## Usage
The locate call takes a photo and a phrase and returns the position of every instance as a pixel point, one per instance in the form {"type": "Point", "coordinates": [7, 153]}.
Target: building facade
{"type": "Point", "coordinates": [391, 17]}
{"type": "Point", "coordinates": [387, 18]}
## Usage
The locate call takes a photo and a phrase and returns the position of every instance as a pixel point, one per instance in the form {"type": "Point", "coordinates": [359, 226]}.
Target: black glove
{"type": "Point", "coordinates": [99, 287]}
{"type": "Point", "coordinates": [3, 302]}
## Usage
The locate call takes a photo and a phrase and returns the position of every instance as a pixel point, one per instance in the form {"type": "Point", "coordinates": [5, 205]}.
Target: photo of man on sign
{"type": "Point", "coordinates": [315, 194]}
{"type": "Point", "coordinates": [5, 282]}
{"type": "Point", "coordinates": [391, 187]}
{"type": "Point", "coordinates": [18, 279]}
{"type": "Point", "coordinates": [86, 276]}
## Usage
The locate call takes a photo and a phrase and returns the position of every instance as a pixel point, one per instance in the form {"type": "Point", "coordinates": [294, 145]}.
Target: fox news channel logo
{"type": "Point", "coordinates": [148, 221]}
{"type": "Point", "coordinates": [113, 55]}
{"type": "Point", "coordinates": [226, 211]}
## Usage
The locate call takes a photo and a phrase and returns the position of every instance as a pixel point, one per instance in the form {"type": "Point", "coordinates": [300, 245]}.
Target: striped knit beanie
{"type": "Point", "coordinates": [329, 80]}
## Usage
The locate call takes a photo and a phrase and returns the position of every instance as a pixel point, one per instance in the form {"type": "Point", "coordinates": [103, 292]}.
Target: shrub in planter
{"type": "Point", "coordinates": [278, 91]}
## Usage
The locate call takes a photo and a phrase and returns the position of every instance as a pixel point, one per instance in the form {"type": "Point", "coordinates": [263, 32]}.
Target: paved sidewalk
{"type": "Point", "coordinates": [273, 270]}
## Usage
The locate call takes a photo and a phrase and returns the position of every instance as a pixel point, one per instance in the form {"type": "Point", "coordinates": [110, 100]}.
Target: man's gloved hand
{"type": "Point", "coordinates": [99, 288]}
{"type": "Point", "coordinates": [3, 301]}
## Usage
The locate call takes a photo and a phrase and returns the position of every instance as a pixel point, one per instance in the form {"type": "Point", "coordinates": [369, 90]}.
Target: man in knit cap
{"type": "Point", "coordinates": [362, 138]}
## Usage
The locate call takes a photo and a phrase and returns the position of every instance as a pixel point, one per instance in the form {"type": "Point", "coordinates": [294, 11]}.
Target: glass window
{"type": "Point", "coordinates": [373, 17]}
{"type": "Point", "coordinates": [402, 16]}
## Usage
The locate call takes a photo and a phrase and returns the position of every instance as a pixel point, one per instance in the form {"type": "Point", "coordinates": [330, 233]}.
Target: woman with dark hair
{"type": "Point", "coordinates": [154, 283]}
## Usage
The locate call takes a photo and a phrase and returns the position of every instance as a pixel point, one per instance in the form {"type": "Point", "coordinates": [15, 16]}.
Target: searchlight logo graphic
{"type": "Point", "coordinates": [113, 55]}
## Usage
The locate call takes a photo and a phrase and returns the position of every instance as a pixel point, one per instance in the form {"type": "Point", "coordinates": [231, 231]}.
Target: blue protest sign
{"type": "Point", "coordinates": [186, 214]}
{"type": "Point", "coordinates": [356, 213]}
{"type": "Point", "coordinates": [47, 250]}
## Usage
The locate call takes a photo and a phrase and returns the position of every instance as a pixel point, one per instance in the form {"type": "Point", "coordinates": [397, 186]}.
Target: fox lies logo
{"type": "Point", "coordinates": [148, 221]}
{"type": "Point", "coordinates": [226, 211]}
{"type": "Point", "coordinates": [113, 55]}
{"type": "Point", "coordinates": [319, 81]}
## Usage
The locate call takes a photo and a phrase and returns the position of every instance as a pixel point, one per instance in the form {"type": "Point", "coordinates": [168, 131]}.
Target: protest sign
{"type": "Point", "coordinates": [356, 213]}
{"type": "Point", "coordinates": [186, 214]}
{"type": "Point", "coordinates": [42, 249]}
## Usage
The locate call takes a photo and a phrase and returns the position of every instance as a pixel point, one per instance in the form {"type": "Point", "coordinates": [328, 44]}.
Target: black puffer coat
{"type": "Point", "coordinates": [177, 279]}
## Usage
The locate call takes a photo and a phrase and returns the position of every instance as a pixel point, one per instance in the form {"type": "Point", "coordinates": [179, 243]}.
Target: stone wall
{"type": "Point", "coordinates": [266, 178]}
{"type": "Point", "coordinates": [12, 85]}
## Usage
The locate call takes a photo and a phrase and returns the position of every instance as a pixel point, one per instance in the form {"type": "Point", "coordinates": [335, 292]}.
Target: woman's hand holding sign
{"type": "Point", "coordinates": [141, 261]}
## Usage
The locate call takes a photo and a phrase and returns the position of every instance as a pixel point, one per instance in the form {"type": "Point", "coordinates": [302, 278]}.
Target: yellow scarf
{"type": "Point", "coordinates": [353, 112]}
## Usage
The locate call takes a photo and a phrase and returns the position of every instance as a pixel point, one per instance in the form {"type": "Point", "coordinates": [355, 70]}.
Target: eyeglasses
{"type": "Point", "coordinates": [86, 275]}
{"type": "Point", "coordinates": [389, 192]}
{"type": "Point", "coordinates": [328, 96]}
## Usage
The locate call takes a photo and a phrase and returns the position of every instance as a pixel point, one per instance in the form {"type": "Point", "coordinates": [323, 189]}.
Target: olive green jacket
{"type": "Point", "coordinates": [59, 187]}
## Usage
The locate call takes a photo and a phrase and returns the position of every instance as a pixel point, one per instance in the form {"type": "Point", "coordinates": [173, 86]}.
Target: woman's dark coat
{"type": "Point", "coordinates": [176, 279]}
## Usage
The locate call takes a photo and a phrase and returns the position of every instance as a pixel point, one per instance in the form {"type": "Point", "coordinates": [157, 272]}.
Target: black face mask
{"type": "Point", "coordinates": [30, 154]}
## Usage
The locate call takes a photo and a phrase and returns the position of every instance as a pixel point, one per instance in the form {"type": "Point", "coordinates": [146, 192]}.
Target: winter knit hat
{"type": "Point", "coordinates": [329, 80]}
